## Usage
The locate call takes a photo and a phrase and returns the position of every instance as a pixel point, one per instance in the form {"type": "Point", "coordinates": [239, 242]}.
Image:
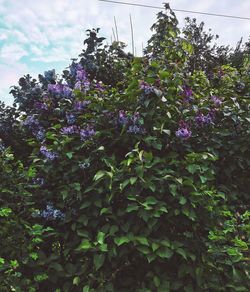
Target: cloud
{"type": "Point", "coordinates": [11, 53]}
{"type": "Point", "coordinates": [51, 32]}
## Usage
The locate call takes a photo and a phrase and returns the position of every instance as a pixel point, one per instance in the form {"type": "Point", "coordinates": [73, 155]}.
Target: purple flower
{"type": "Point", "coordinates": [183, 131]}
{"type": "Point", "coordinates": [31, 122]}
{"type": "Point", "coordinates": [81, 105]}
{"type": "Point", "coordinates": [41, 105]}
{"type": "Point", "coordinates": [74, 67]}
{"type": "Point", "coordinates": [50, 155]}
{"type": "Point", "coordinates": [50, 213]}
{"type": "Point", "coordinates": [87, 133]}
{"type": "Point", "coordinates": [84, 165]}
{"type": "Point", "coordinates": [81, 75]}
{"type": "Point", "coordinates": [99, 87]}
{"type": "Point", "coordinates": [70, 130]}
{"type": "Point", "coordinates": [50, 75]}
{"type": "Point", "coordinates": [148, 89]}
{"type": "Point", "coordinates": [61, 90]}
{"type": "Point", "coordinates": [71, 118]}
{"type": "Point", "coordinates": [216, 100]}
{"type": "Point", "coordinates": [135, 129]}
{"type": "Point", "coordinates": [202, 120]}
{"type": "Point", "coordinates": [122, 118]}
{"type": "Point", "coordinates": [38, 181]}
{"type": "Point", "coordinates": [187, 93]}
{"type": "Point", "coordinates": [40, 134]}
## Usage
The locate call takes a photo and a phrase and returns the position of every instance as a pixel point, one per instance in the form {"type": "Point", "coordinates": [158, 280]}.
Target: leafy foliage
{"type": "Point", "coordinates": [137, 176]}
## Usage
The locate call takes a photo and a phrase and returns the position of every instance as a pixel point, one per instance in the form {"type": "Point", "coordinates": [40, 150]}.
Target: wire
{"type": "Point", "coordinates": [179, 10]}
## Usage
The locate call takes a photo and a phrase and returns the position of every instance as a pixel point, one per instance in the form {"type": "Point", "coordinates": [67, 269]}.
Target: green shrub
{"type": "Point", "coordinates": [136, 185]}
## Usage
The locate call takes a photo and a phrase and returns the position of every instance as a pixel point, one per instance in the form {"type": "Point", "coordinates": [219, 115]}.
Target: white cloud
{"type": "Point", "coordinates": [52, 31]}
{"type": "Point", "coordinates": [11, 53]}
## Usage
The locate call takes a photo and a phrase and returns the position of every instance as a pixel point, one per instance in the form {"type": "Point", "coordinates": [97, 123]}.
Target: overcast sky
{"type": "Point", "coordinates": [36, 36]}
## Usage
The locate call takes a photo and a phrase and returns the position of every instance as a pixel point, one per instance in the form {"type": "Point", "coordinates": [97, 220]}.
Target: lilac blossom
{"type": "Point", "coordinates": [71, 118]}
{"type": "Point", "coordinates": [202, 120]}
{"type": "Point", "coordinates": [61, 90]}
{"type": "Point", "coordinates": [39, 133]}
{"type": "Point", "coordinates": [81, 105]}
{"type": "Point", "coordinates": [41, 105]}
{"type": "Point", "coordinates": [70, 130]}
{"type": "Point", "coordinates": [50, 155]}
{"type": "Point", "coordinates": [50, 75]}
{"type": "Point", "coordinates": [123, 118]}
{"type": "Point", "coordinates": [38, 181]}
{"type": "Point", "coordinates": [74, 67]}
{"type": "Point", "coordinates": [99, 87]}
{"type": "Point", "coordinates": [216, 100]}
{"type": "Point", "coordinates": [183, 131]}
{"type": "Point", "coordinates": [87, 133]}
{"type": "Point", "coordinates": [51, 213]}
{"type": "Point", "coordinates": [31, 122]}
{"type": "Point", "coordinates": [187, 93]}
{"type": "Point", "coordinates": [84, 165]}
{"type": "Point", "coordinates": [135, 129]}
{"type": "Point", "coordinates": [148, 89]}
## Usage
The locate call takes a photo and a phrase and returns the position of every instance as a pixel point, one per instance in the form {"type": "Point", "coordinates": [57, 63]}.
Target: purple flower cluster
{"type": "Point", "coordinates": [40, 134]}
{"type": "Point", "coordinates": [123, 118]}
{"type": "Point", "coordinates": [203, 120]}
{"type": "Point", "coordinates": [81, 105]}
{"type": "Point", "coordinates": [99, 87]}
{"type": "Point", "coordinates": [71, 118]}
{"type": "Point", "coordinates": [50, 213]}
{"type": "Point", "coordinates": [50, 155]}
{"type": "Point", "coordinates": [148, 89]}
{"type": "Point", "coordinates": [50, 75]}
{"type": "Point", "coordinates": [33, 124]}
{"type": "Point", "coordinates": [134, 122]}
{"type": "Point", "coordinates": [38, 181]}
{"type": "Point", "coordinates": [70, 130]}
{"type": "Point", "coordinates": [41, 106]}
{"type": "Point", "coordinates": [84, 165]}
{"type": "Point", "coordinates": [187, 93]}
{"type": "Point", "coordinates": [183, 131]}
{"type": "Point", "coordinates": [87, 133]}
{"type": "Point", "coordinates": [216, 100]}
{"type": "Point", "coordinates": [60, 90]}
{"type": "Point", "coordinates": [82, 81]}
{"type": "Point", "coordinates": [74, 67]}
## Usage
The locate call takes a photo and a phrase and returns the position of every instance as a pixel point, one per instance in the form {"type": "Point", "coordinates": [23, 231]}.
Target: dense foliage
{"type": "Point", "coordinates": [132, 174]}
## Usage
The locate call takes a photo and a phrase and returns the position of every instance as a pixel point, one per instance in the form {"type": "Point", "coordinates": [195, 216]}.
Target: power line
{"type": "Point", "coordinates": [179, 10]}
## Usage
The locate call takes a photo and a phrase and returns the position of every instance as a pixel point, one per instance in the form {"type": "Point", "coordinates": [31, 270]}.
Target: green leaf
{"type": "Point", "coordinates": [99, 260]}
{"type": "Point", "coordinates": [85, 244]}
{"type": "Point", "coordinates": [121, 240]}
{"type": "Point", "coordinates": [183, 200]}
{"type": "Point", "coordinates": [56, 267]}
{"type": "Point", "coordinates": [143, 249]}
{"type": "Point", "coordinates": [100, 237]}
{"type": "Point", "coordinates": [85, 289]}
{"type": "Point", "coordinates": [164, 252]}
{"type": "Point", "coordinates": [193, 168]}
{"type": "Point", "coordinates": [69, 155]}
{"type": "Point", "coordinates": [99, 175]}
{"type": "Point", "coordinates": [182, 253]}
{"type": "Point", "coordinates": [156, 281]}
{"type": "Point", "coordinates": [133, 180]}
{"type": "Point", "coordinates": [142, 240]}
{"type": "Point", "coordinates": [76, 281]}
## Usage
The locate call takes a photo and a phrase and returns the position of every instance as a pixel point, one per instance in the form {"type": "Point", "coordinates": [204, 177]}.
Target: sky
{"type": "Point", "coordinates": [36, 36]}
